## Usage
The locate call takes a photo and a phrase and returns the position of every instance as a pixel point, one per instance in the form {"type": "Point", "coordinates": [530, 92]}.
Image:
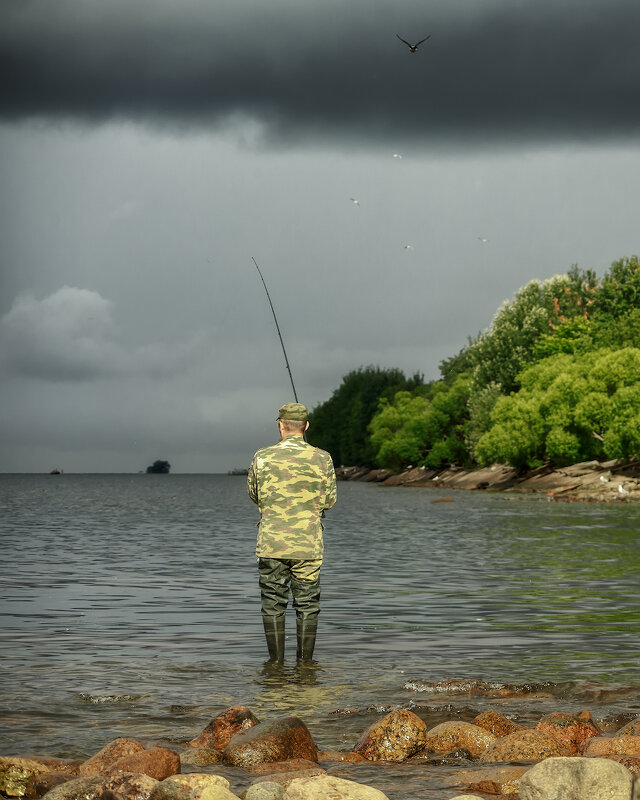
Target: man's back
{"type": "Point", "coordinates": [293, 483]}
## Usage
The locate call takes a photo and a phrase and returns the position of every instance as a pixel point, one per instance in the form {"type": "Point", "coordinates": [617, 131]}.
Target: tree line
{"type": "Point", "coordinates": [555, 378]}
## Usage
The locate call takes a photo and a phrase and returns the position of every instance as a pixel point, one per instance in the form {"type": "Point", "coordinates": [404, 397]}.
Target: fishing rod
{"type": "Point", "coordinates": [286, 360]}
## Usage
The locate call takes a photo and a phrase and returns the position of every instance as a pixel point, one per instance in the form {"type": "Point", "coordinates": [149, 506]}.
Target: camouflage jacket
{"type": "Point", "coordinates": [292, 483]}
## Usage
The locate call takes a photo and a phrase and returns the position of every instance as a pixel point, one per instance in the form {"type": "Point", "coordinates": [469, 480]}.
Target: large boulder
{"type": "Point", "coordinates": [525, 745]}
{"type": "Point", "coordinates": [110, 753]}
{"type": "Point", "coordinates": [274, 740]}
{"type": "Point", "coordinates": [265, 791]}
{"type": "Point", "coordinates": [327, 787]}
{"type": "Point", "coordinates": [221, 729]}
{"type": "Point", "coordinates": [456, 735]}
{"type": "Point", "coordinates": [396, 737]}
{"type": "Point", "coordinates": [570, 730]}
{"type": "Point", "coordinates": [158, 763]}
{"type": "Point", "coordinates": [576, 779]}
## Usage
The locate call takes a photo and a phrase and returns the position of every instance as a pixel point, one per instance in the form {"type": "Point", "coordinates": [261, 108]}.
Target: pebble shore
{"type": "Point", "coordinates": [562, 755]}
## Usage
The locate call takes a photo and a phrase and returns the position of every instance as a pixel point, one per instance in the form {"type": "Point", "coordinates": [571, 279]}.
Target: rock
{"type": "Point", "coordinates": [274, 740]}
{"type": "Point", "coordinates": [326, 787]}
{"type": "Point", "coordinates": [195, 786]}
{"type": "Point", "coordinates": [285, 778]}
{"type": "Point", "coordinates": [455, 735]}
{"type": "Point", "coordinates": [110, 753]}
{"type": "Point", "coordinates": [78, 789]}
{"type": "Point", "coordinates": [632, 763]}
{"type": "Point", "coordinates": [492, 780]}
{"type": "Point", "coordinates": [218, 733]}
{"type": "Point", "coordinates": [576, 779]}
{"type": "Point", "coordinates": [265, 791]}
{"type": "Point", "coordinates": [497, 723]}
{"type": "Point", "coordinates": [569, 729]}
{"type": "Point", "coordinates": [42, 783]}
{"type": "Point", "coordinates": [467, 797]}
{"type": "Point", "coordinates": [395, 737]}
{"type": "Point", "coordinates": [128, 786]}
{"type": "Point", "coordinates": [335, 756]}
{"type": "Point", "coordinates": [524, 745]}
{"type": "Point", "coordinates": [630, 729]}
{"type": "Point", "coordinates": [158, 763]}
{"type": "Point", "coordinates": [292, 765]}
{"type": "Point", "coordinates": [200, 757]}
{"type": "Point", "coordinates": [17, 772]}
{"type": "Point", "coordinates": [613, 746]}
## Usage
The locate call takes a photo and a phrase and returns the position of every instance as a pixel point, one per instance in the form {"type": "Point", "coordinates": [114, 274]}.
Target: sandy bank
{"type": "Point", "coordinates": [591, 481]}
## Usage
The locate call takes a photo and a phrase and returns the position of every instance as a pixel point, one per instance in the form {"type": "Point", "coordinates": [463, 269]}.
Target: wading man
{"type": "Point", "coordinates": [293, 483]}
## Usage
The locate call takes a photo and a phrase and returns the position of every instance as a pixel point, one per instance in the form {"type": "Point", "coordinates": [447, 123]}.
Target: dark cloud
{"type": "Point", "coordinates": [510, 70]}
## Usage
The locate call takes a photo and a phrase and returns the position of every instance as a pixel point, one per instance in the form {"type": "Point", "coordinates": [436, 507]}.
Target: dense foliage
{"type": "Point", "coordinates": [340, 425]}
{"type": "Point", "coordinates": [555, 378]}
{"type": "Point", "coordinates": [569, 409]}
{"type": "Point", "coordinates": [159, 468]}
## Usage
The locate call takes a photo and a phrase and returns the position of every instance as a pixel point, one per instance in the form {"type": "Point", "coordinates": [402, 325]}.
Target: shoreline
{"type": "Point", "coordinates": [588, 482]}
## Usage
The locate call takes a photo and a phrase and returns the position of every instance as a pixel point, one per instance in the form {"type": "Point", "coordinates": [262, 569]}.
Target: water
{"type": "Point", "coordinates": [129, 607]}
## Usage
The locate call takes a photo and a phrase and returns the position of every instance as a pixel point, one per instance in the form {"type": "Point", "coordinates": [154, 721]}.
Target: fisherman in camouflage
{"type": "Point", "coordinates": [293, 484]}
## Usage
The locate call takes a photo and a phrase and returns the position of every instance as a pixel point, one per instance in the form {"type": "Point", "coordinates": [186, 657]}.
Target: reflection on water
{"type": "Point", "coordinates": [129, 606]}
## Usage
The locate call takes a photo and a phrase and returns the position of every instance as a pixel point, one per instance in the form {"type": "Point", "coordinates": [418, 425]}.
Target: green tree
{"type": "Point", "coordinates": [159, 468]}
{"type": "Point", "coordinates": [429, 431]}
{"type": "Point", "coordinates": [340, 425]}
{"type": "Point", "coordinates": [570, 408]}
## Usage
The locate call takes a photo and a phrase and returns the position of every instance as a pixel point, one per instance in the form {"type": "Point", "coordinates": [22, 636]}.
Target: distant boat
{"type": "Point", "coordinates": [56, 471]}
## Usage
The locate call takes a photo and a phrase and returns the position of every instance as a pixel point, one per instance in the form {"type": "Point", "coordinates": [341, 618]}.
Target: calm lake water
{"type": "Point", "coordinates": [130, 607]}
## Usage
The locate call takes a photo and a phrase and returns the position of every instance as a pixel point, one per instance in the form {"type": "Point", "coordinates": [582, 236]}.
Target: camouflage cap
{"type": "Point", "coordinates": [293, 411]}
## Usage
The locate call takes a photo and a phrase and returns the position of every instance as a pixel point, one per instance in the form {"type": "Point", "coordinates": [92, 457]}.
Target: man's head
{"type": "Point", "coordinates": [293, 418]}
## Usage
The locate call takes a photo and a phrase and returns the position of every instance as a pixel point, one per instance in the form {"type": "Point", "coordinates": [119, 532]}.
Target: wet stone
{"type": "Point", "coordinates": [570, 730]}
{"type": "Point", "coordinates": [128, 786]}
{"type": "Point", "coordinates": [492, 780]}
{"type": "Point", "coordinates": [327, 787]}
{"type": "Point", "coordinates": [292, 765]}
{"type": "Point", "coordinates": [497, 723]}
{"type": "Point", "coordinates": [88, 788]}
{"type": "Point", "coordinates": [576, 779]}
{"type": "Point", "coordinates": [191, 787]}
{"type": "Point", "coordinates": [265, 791]}
{"type": "Point", "coordinates": [396, 737]}
{"type": "Point", "coordinates": [110, 753]}
{"type": "Point", "coordinates": [200, 757]}
{"type": "Point", "coordinates": [525, 745]}
{"type": "Point", "coordinates": [16, 773]}
{"type": "Point", "coordinates": [222, 728]}
{"type": "Point", "coordinates": [630, 729]}
{"type": "Point", "coordinates": [158, 763]}
{"type": "Point", "coordinates": [40, 784]}
{"type": "Point", "coordinates": [335, 756]}
{"type": "Point", "coordinates": [632, 763]}
{"type": "Point", "coordinates": [453, 735]}
{"type": "Point", "coordinates": [613, 746]}
{"type": "Point", "coordinates": [274, 740]}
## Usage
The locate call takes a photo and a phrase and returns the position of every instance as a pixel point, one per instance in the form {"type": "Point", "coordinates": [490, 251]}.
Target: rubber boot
{"type": "Point", "coordinates": [274, 634]}
{"type": "Point", "coordinates": [306, 628]}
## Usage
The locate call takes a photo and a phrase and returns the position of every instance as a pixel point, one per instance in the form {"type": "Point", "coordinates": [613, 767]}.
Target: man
{"type": "Point", "coordinates": [293, 484]}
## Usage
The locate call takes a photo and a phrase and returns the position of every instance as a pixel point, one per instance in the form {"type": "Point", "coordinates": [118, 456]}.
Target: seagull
{"type": "Point", "coordinates": [408, 247]}
{"type": "Point", "coordinates": [413, 47]}
{"type": "Point", "coordinates": [397, 155]}
{"type": "Point", "coordinates": [622, 490]}
{"type": "Point", "coordinates": [483, 239]}
{"type": "Point", "coordinates": [354, 201]}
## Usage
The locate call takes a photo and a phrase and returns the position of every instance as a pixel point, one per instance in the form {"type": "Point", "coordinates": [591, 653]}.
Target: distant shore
{"type": "Point", "coordinates": [591, 481]}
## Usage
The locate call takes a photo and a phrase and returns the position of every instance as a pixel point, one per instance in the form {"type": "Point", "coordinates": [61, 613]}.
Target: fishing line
{"type": "Point", "coordinates": [286, 360]}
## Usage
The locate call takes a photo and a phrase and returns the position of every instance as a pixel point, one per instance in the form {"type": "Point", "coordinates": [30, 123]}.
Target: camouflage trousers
{"type": "Point", "coordinates": [275, 576]}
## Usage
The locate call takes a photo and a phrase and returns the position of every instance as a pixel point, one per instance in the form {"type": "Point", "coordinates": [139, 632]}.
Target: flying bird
{"type": "Point", "coordinates": [483, 239]}
{"type": "Point", "coordinates": [397, 155]}
{"type": "Point", "coordinates": [413, 47]}
{"type": "Point", "coordinates": [354, 201]}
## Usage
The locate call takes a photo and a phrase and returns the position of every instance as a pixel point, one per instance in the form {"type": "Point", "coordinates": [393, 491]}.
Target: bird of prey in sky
{"type": "Point", "coordinates": [413, 47]}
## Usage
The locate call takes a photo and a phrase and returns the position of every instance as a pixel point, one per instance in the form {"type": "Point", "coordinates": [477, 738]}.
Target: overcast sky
{"type": "Point", "coordinates": [149, 150]}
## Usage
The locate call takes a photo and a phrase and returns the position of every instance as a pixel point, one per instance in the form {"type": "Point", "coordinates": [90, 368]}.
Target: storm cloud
{"type": "Point", "coordinates": [512, 71]}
